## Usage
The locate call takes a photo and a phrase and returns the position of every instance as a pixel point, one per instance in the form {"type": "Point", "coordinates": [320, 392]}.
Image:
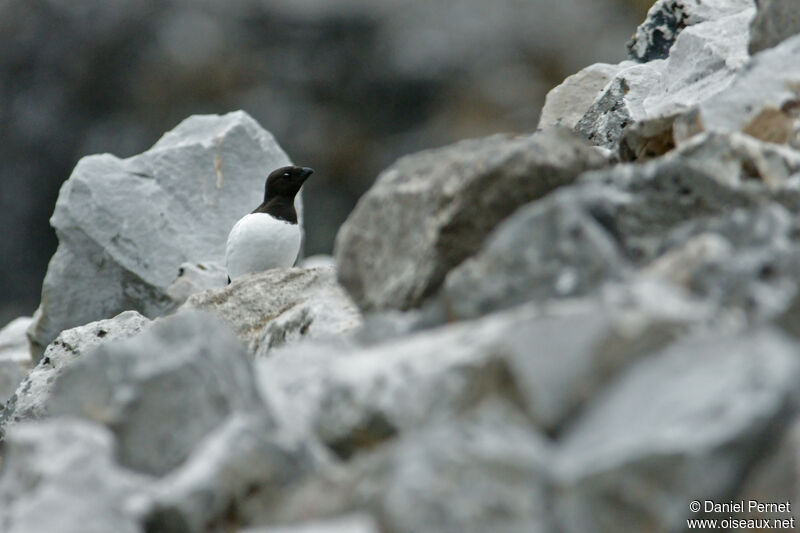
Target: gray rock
{"type": "Point", "coordinates": [703, 61]}
{"type": "Point", "coordinates": [549, 249]}
{"type": "Point", "coordinates": [60, 475]}
{"type": "Point", "coordinates": [162, 391]}
{"type": "Point", "coordinates": [196, 277]}
{"type": "Point", "coordinates": [29, 402]}
{"type": "Point", "coordinates": [279, 306]}
{"type": "Point", "coordinates": [125, 226]}
{"type": "Point", "coordinates": [240, 464]}
{"type": "Point", "coordinates": [761, 101]}
{"type": "Point", "coordinates": [775, 21]}
{"type": "Point", "coordinates": [430, 211]}
{"type": "Point", "coordinates": [568, 102]}
{"type": "Point", "coordinates": [683, 424]}
{"type": "Point", "coordinates": [666, 19]}
{"type": "Point", "coordinates": [486, 471]}
{"type": "Point", "coordinates": [15, 358]}
{"type": "Point", "coordinates": [352, 523]}
{"type": "Point", "coordinates": [547, 361]}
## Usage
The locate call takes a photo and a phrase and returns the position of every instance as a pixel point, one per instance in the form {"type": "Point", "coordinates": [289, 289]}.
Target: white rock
{"type": "Point", "coordinates": [15, 357]}
{"type": "Point", "coordinates": [125, 226]}
{"type": "Point", "coordinates": [569, 101]}
{"type": "Point", "coordinates": [352, 523]}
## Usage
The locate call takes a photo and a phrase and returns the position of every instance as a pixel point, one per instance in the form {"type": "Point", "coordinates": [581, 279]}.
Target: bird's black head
{"type": "Point", "coordinates": [285, 182]}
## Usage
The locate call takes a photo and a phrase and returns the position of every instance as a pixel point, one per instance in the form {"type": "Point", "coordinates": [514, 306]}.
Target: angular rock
{"type": "Point", "coordinates": [279, 306]}
{"type": "Point", "coordinates": [762, 101]}
{"type": "Point", "coordinates": [15, 358]}
{"type": "Point", "coordinates": [685, 423]}
{"type": "Point", "coordinates": [549, 249]}
{"type": "Point", "coordinates": [430, 211]}
{"type": "Point", "coordinates": [569, 101]}
{"type": "Point", "coordinates": [196, 277]}
{"type": "Point", "coordinates": [666, 19]}
{"type": "Point", "coordinates": [60, 475]}
{"type": "Point", "coordinates": [125, 226]}
{"type": "Point", "coordinates": [162, 391]}
{"type": "Point", "coordinates": [30, 400]}
{"type": "Point", "coordinates": [702, 62]}
{"type": "Point", "coordinates": [546, 361]}
{"type": "Point", "coordinates": [486, 471]}
{"type": "Point", "coordinates": [775, 21]}
{"type": "Point", "coordinates": [239, 465]}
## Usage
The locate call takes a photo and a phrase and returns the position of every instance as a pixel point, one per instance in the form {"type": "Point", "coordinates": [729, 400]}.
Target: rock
{"type": "Point", "coordinates": [568, 102]}
{"type": "Point", "coordinates": [352, 523]}
{"type": "Point", "coordinates": [243, 461]}
{"type": "Point", "coordinates": [694, 433]}
{"type": "Point", "coordinates": [430, 211]}
{"type": "Point", "coordinates": [196, 277]}
{"type": "Point", "coordinates": [775, 21]}
{"type": "Point", "coordinates": [552, 248]}
{"type": "Point", "coordinates": [126, 226]}
{"type": "Point", "coordinates": [762, 101]}
{"type": "Point", "coordinates": [162, 391]}
{"type": "Point", "coordinates": [15, 358]}
{"type": "Point", "coordinates": [548, 361]}
{"type": "Point", "coordinates": [29, 402]}
{"type": "Point", "coordinates": [703, 61]}
{"type": "Point", "coordinates": [486, 471]}
{"type": "Point", "coordinates": [666, 19]}
{"type": "Point", "coordinates": [60, 475]}
{"type": "Point", "coordinates": [279, 306]}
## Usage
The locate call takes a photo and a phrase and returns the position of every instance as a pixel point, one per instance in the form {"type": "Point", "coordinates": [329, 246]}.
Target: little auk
{"type": "Point", "coordinates": [269, 237]}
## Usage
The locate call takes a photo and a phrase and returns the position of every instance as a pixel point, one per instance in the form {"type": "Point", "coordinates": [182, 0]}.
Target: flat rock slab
{"type": "Point", "coordinates": [279, 306]}
{"type": "Point", "coordinates": [431, 210]}
{"type": "Point", "coordinates": [125, 226]}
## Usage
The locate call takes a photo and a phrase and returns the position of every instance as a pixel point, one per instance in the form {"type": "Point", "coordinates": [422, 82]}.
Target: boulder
{"type": "Point", "coordinates": [126, 226]}
{"type": "Point", "coordinates": [15, 358]}
{"type": "Point", "coordinates": [775, 21]}
{"type": "Point", "coordinates": [568, 102]}
{"type": "Point", "coordinates": [762, 101]}
{"type": "Point", "coordinates": [666, 19]}
{"type": "Point", "coordinates": [485, 471]}
{"type": "Point", "coordinates": [30, 400]}
{"type": "Point", "coordinates": [685, 423]}
{"type": "Point", "coordinates": [279, 306]}
{"type": "Point", "coordinates": [60, 475]}
{"type": "Point", "coordinates": [547, 361]}
{"type": "Point", "coordinates": [239, 465]}
{"type": "Point", "coordinates": [162, 391]}
{"type": "Point", "coordinates": [430, 211]}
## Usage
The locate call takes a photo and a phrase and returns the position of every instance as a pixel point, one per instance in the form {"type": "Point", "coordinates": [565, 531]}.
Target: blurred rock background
{"type": "Point", "coordinates": [346, 86]}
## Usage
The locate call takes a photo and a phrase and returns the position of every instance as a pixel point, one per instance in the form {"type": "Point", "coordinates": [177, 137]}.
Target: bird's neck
{"type": "Point", "coordinates": [279, 207]}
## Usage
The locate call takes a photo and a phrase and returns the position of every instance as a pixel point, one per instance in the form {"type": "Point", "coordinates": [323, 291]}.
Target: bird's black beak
{"type": "Point", "coordinates": [305, 172]}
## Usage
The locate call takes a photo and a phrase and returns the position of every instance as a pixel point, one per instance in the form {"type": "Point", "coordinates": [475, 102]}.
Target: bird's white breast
{"type": "Point", "coordinates": [260, 242]}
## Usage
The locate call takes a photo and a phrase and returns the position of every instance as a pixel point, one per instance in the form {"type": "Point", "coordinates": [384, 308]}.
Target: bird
{"type": "Point", "coordinates": [269, 236]}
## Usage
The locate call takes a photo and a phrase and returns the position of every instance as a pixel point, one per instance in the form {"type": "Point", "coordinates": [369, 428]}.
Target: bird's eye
{"type": "Point", "coordinates": [285, 174]}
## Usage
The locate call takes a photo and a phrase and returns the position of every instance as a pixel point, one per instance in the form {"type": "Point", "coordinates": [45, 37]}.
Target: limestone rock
{"type": "Point", "coordinates": [762, 101]}
{"type": "Point", "coordinates": [430, 211]}
{"type": "Point", "coordinates": [486, 471]}
{"type": "Point", "coordinates": [568, 102]}
{"type": "Point", "coordinates": [15, 358]}
{"type": "Point", "coordinates": [279, 306]}
{"type": "Point", "coordinates": [31, 397]}
{"type": "Point", "coordinates": [125, 226]}
{"type": "Point", "coordinates": [352, 523]}
{"type": "Point", "coordinates": [60, 475]}
{"type": "Point", "coordinates": [666, 19]}
{"type": "Point", "coordinates": [775, 21]}
{"type": "Point", "coordinates": [552, 248]}
{"type": "Point", "coordinates": [547, 361]}
{"type": "Point", "coordinates": [240, 464]}
{"type": "Point", "coordinates": [693, 433]}
{"type": "Point", "coordinates": [196, 277]}
{"type": "Point", "coordinates": [162, 391]}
